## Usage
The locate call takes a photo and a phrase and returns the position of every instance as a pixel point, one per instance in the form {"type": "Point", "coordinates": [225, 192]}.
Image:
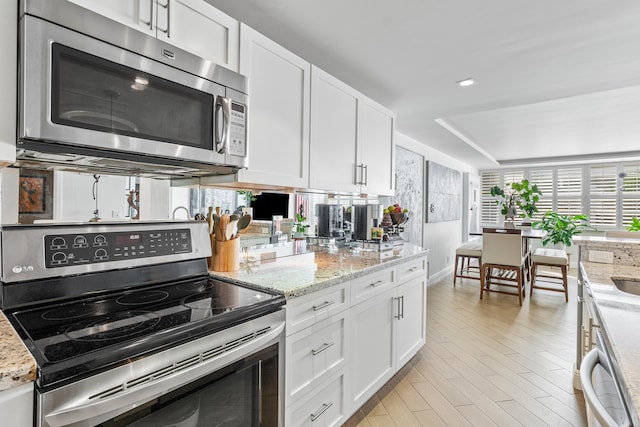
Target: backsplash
{"type": "Point", "coordinates": [624, 252]}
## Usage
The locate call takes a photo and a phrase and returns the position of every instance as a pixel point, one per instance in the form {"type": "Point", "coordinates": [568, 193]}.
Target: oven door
{"type": "Point", "coordinates": [233, 377]}
{"type": "Point", "coordinates": [80, 91]}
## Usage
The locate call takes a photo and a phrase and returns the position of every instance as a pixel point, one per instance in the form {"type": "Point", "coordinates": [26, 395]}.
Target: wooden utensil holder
{"type": "Point", "coordinates": [226, 255]}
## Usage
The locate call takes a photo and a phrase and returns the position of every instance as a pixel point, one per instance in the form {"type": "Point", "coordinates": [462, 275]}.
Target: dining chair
{"type": "Point", "coordinates": [503, 262]}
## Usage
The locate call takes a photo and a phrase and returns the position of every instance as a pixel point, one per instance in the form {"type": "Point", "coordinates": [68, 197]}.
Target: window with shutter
{"type": "Point", "coordinates": [569, 191]}
{"type": "Point", "coordinates": [602, 196]}
{"type": "Point", "coordinates": [543, 179]}
{"type": "Point", "coordinates": [490, 214]}
{"type": "Point", "coordinates": [630, 187]}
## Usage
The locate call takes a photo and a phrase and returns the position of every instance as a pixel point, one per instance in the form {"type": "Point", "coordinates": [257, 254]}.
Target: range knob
{"type": "Point", "coordinates": [101, 255]}
{"type": "Point", "coordinates": [58, 243]}
{"type": "Point", "coordinates": [80, 242]}
{"type": "Point", "coordinates": [99, 240]}
{"type": "Point", "coordinates": [59, 258]}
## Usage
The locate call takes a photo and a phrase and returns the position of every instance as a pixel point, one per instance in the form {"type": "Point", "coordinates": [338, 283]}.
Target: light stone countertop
{"type": "Point", "coordinates": [17, 365]}
{"type": "Point", "coordinates": [315, 269]}
{"type": "Point", "coordinates": [617, 311]}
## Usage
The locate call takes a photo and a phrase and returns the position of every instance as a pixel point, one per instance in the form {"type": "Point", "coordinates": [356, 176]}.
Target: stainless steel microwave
{"type": "Point", "coordinates": [98, 95]}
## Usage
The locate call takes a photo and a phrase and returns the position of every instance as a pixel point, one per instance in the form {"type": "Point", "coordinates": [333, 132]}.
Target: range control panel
{"type": "Point", "coordinates": [66, 250]}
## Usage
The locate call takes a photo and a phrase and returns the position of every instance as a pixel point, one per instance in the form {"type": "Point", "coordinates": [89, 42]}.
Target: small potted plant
{"type": "Point", "coordinates": [560, 229]}
{"type": "Point", "coordinates": [519, 195]}
{"type": "Point", "coordinates": [299, 227]}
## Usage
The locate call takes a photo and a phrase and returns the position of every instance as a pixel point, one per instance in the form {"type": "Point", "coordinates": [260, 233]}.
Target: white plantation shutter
{"type": "Point", "coordinates": [512, 176]}
{"type": "Point", "coordinates": [490, 214]}
{"type": "Point", "coordinates": [603, 198]}
{"type": "Point", "coordinates": [543, 178]}
{"type": "Point", "coordinates": [630, 186]}
{"type": "Point", "coordinates": [569, 191]}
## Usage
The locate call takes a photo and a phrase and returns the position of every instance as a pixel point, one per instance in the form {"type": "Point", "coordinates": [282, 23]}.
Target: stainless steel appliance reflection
{"type": "Point", "coordinates": [127, 327]}
{"type": "Point", "coordinates": [364, 219]}
{"type": "Point", "coordinates": [330, 220]}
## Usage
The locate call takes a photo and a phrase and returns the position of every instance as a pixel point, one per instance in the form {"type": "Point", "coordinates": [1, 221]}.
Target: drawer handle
{"type": "Point", "coordinates": [322, 410]}
{"type": "Point", "coordinates": [322, 348]}
{"type": "Point", "coordinates": [376, 284]}
{"type": "Point", "coordinates": [323, 305]}
{"type": "Point", "coordinates": [411, 270]}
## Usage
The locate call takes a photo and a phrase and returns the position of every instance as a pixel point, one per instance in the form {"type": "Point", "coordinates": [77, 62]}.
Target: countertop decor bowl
{"type": "Point", "coordinates": [398, 218]}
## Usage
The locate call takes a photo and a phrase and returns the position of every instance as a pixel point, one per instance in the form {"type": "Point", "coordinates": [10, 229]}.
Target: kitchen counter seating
{"type": "Point", "coordinates": [353, 319]}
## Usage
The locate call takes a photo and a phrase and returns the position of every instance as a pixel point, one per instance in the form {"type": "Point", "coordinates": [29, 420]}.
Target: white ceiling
{"type": "Point", "coordinates": [556, 78]}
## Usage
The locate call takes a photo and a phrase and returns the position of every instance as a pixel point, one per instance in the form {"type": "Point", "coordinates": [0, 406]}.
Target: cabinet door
{"type": "Point", "coordinates": [314, 354]}
{"type": "Point", "coordinates": [138, 14]}
{"type": "Point", "coordinates": [411, 323]}
{"type": "Point", "coordinates": [280, 89]}
{"type": "Point", "coordinates": [334, 114]}
{"type": "Point", "coordinates": [200, 28]}
{"type": "Point", "coordinates": [375, 139]}
{"type": "Point", "coordinates": [372, 351]}
{"type": "Point", "coordinates": [16, 406]}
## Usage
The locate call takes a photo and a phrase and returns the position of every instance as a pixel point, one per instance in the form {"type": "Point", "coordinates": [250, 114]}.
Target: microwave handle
{"type": "Point", "coordinates": [222, 125]}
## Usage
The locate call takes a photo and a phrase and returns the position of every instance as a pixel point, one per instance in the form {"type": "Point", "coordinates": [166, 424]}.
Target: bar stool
{"type": "Point", "coordinates": [465, 253]}
{"type": "Point", "coordinates": [556, 258]}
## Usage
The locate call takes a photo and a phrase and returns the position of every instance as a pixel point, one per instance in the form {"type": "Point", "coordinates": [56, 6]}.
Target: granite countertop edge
{"type": "Point", "coordinates": [615, 311]}
{"type": "Point", "coordinates": [328, 279]}
{"type": "Point", "coordinates": [17, 365]}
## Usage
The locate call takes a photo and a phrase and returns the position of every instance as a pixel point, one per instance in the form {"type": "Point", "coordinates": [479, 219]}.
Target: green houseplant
{"type": "Point", "coordinates": [299, 226]}
{"type": "Point", "coordinates": [635, 224]}
{"type": "Point", "coordinates": [560, 229]}
{"type": "Point", "coordinates": [520, 195]}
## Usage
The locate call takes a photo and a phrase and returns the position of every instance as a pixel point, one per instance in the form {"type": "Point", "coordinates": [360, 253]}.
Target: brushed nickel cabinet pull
{"type": "Point", "coordinates": [322, 348]}
{"type": "Point", "coordinates": [322, 410]}
{"type": "Point", "coordinates": [376, 284]}
{"type": "Point", "coordinates": [323, 305]}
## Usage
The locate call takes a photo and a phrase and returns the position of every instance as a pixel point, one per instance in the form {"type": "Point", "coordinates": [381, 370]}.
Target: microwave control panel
{"type": "Point", "coordinates": [238, 132]}
{"type": "Point", "coordinates": [90, 248]}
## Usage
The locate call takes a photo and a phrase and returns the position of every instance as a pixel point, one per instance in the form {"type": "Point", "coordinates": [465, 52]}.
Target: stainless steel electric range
{"type": "Point", "coordinates": [127, 327]}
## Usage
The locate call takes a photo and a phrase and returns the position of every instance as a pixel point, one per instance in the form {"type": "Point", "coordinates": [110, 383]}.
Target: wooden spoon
{"type": "Point", "coordinates": [244, 221]}
{"type": "Point", "coordinates": [210, 219]}
{"type": "Point", "coordinates": [224, 221]}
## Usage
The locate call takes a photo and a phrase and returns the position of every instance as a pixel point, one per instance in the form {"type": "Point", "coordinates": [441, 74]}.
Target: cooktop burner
{"type": "Point", "coordinates": [72, 337]}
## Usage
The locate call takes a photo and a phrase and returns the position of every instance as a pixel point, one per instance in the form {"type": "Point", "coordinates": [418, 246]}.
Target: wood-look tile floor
{"type": "Point", "coordinates": [486, 363]}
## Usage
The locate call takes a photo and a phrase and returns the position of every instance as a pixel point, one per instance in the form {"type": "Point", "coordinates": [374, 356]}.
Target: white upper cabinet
{"type": "Point", "coordinates": [352, 147]}
{"type": "Point", "coordinates": [279, 88]}
{"type": "Point", "coordinates": [192, 25]}
{"type": "Point", "coordinates": [334, 134]}
{"type": "Point", "coordinates": [377, 153]}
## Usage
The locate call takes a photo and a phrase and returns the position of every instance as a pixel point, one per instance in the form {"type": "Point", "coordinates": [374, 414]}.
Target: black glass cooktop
{"type": "Point", "coordinates": [70, 338]}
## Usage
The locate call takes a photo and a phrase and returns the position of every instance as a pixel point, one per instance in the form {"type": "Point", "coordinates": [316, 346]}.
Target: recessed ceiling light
{"type": "Point", "coordinates": [466, 82]}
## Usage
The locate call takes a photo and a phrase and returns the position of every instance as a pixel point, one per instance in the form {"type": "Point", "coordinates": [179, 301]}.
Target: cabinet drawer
{"type": "Point", "coordinates": [304, 311]}
{"type": "Point", "coordinates": [412, 269]}
{"type": "Point", "coordinates": [370, 285]}
{"type": "Point", "coordinates": [314, 353]}
{"type": "Point", "coordinates": [324, 408]}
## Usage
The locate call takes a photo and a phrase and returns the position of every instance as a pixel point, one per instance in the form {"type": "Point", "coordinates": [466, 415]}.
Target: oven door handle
{"type": "Point", "coordinates": [108, 407]}
{"type": "Point", "coordinates": [589, 363]}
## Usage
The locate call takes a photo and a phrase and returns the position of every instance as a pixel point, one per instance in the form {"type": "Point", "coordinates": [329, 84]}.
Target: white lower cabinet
{"type": "Point", "coordinates": [412, 323]}
{"type": "Point", "coordinates": [323, 408]}
{"type": "Point", "coordinates": [16, 406]}
{"type": "Point", "coordinates": [315, 353]}
{"type": "Point", "coordinates": [373, 353]}
{"type": "Point", "coordinates": [345, 342]}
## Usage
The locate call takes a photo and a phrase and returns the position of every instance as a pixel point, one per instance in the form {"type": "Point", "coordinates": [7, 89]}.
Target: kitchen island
{"type": "Point", "coordinates": [353, 319]}
{"type": "Point", "coordinates": [617, 312]}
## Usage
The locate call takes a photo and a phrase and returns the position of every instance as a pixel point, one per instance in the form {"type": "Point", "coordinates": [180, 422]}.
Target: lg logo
{"type": "Point", "coordinates": [22, 269]}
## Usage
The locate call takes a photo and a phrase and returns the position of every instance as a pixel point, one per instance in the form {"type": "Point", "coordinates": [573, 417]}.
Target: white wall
{"type": "Point", "coordinates": [441, 238]}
